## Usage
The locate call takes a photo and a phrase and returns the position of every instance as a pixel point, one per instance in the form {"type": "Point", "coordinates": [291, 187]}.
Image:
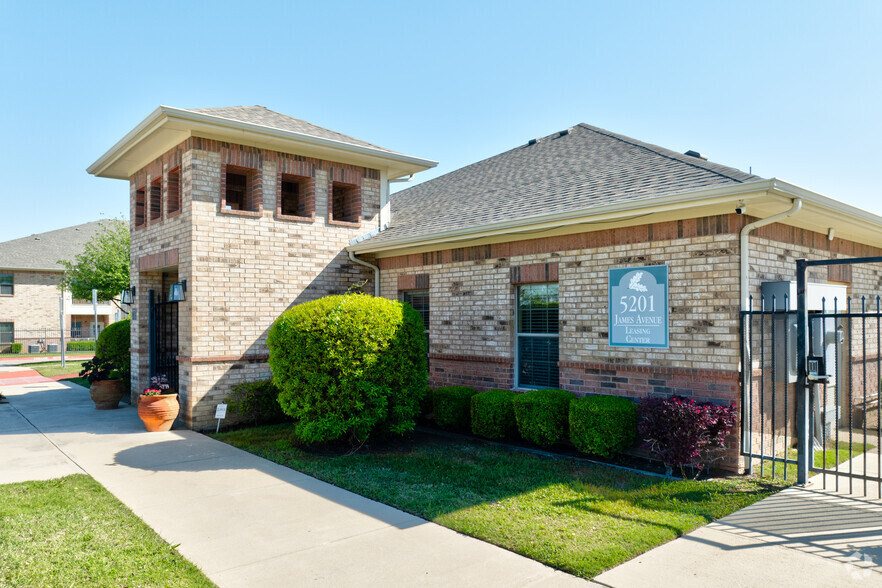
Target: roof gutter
{"type": "Point", "coordinates": [745, 247]}
{"type": "Point", "coordinates": [373, 267]}
{"type": "Point", "coordinates": [608, 213]}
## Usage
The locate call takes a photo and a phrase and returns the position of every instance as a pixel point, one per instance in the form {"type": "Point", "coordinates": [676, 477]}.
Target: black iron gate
{"type": "Point", "coordinates": [811, 383]}
{"type": "Point", "coordinates": [163, 338]}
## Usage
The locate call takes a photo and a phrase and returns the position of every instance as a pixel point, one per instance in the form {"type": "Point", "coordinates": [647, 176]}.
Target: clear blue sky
{"type": "Point", "coordinates": [791, 89]}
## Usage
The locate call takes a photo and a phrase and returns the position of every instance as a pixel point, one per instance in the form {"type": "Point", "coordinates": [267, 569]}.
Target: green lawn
{"type": "Point", "coordinates": [822, 459]}
{"type": "Point", "coordinates": [575, 516]}
{"type": "Point", "coordinates": [53, 368]}
{"type": "Point", "coordinates": [73, 532]}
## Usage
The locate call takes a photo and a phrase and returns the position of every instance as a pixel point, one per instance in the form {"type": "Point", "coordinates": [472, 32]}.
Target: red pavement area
{"type": "Point", "coordinates": [28, 377]}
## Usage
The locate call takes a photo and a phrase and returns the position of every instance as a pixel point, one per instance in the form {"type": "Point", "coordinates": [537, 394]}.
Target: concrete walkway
{"type": "Point", "coordinates": [243, 520]}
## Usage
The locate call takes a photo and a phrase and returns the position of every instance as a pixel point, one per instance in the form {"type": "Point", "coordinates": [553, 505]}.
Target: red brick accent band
{"type": "Point", "coordinates": [413, 282]}
{"type": "Point", "coordinates": [472, 358]}
{"type": "Point", "coordinates": [680, 229]}
{"type": "Point", "coordinates": [159, 260]}
{"type": "Point", "coordinates": [534, 273]}
{"type": "Point", "coordinates": [255, 357]}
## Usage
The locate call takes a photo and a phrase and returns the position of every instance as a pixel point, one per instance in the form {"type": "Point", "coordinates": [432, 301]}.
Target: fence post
{"type": "Point", "coordinates": [803, 443]}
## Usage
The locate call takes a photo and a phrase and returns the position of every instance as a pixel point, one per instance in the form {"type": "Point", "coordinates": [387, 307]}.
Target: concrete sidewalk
{"type": "Point", "coordinates": [243, 520]}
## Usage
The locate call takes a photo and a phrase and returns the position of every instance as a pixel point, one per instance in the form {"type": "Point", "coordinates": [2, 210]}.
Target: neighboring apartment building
{"type": "Point", "coordinates": [525, 264]}
{"type": "Point", "coordinates": [29, 278]}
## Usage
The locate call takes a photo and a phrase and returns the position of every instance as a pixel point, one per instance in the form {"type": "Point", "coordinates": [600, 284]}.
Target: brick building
{"type": "Point", "coordinates": [30, 275]}
{"type": "Point", "coordinates": [510, 258]}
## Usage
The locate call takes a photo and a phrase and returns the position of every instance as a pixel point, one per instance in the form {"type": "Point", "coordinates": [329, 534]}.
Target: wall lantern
{"type": "Point", "coordinates": [176, 292]}
{"type": "Point", "coordinates": [128, 295]}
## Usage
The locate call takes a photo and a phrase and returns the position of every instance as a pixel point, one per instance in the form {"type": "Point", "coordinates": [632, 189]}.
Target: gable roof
{"type": "Point", "coordinates": [256, 126]}
{"type": "Point", "coordinates": [576, 169]}
{"type": "Point", "coordinates": [42, 251]}
{"type": "Point", "coordinates": [263, 116]}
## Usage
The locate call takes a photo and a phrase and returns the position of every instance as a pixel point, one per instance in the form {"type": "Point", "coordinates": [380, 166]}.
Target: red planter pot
{"type": "Point", "coordinates": [158, 412]}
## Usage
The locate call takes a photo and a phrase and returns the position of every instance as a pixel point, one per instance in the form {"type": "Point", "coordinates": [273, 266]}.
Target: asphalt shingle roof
{"type": "Point", "coordinates": [260, 115]}
{"type": "Point", "coordinates": [584, 168]}
{"type": "Point", "coordinates": [42, 251]}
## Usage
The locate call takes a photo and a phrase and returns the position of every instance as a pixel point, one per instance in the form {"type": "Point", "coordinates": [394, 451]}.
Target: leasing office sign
{"type": "Point", "coordinates": [638, 306]}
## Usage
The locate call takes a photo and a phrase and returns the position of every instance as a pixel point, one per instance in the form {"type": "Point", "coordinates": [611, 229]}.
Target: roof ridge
{"type": "Point", "coordinates": [655, 149]}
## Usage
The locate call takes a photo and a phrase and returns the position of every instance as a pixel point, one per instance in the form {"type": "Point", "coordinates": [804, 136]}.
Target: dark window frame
{"type": "Point", "coordinates": [141, 207]}
{"type": "Point", "coordinates": [173, 202]}
{"type": "Point", "coordinates": [543, 329]}
{"type": "Point", "coordinates": [304, 205]}
{"type": "Point", "coordinates": [154, 208]}
{"type": "Point", "coordinates": [250, 200]}
{"type": "Point", "coordinates": [7, 281]}
{"type": "Point", "coordinates": [4, 340]}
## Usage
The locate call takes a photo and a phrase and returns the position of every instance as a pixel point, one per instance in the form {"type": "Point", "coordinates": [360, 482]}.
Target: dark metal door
{"type": "Point", "coordinates": [163, 338]}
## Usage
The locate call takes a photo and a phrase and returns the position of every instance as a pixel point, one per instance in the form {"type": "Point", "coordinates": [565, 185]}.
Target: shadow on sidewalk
{"type": "Point", "coordinates": [845, 529]}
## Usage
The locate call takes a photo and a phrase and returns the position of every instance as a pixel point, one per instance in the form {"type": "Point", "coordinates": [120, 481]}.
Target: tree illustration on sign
{"type": "Point", "coordinates": [635, 284]}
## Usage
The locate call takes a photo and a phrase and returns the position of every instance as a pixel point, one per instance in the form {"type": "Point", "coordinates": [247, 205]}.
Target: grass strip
{"type": "Point", "coordinates": [72, 532]}
{"type": "Point", "coordinates": [577, 517]}
{"type": "Point", "coordinates": [54, 368]}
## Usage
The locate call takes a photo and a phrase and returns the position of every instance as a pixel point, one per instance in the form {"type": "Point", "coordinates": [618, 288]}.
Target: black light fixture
{"type": "Point", "coordinates": [176, 292]}
{"type": "Point", "coordinates": [128, 295]}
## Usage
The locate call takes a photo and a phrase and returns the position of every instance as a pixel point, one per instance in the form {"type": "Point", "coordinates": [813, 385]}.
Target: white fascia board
{"type": "Point", "coordinates": [32, 269]}
{"type": "Point", "coordinates": [611, 212]}
{"type": "Point", "coordinates": [166, 114]}
{"type": "Point", "coordinates": [772, 191]}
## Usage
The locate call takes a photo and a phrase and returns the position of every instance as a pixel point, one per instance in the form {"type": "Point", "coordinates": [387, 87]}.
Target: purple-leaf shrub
{"type": "Point", "coordinates": [684, 433]}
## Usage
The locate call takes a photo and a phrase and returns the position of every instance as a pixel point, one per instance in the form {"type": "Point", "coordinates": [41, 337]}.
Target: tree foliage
{"type": "Point", "coordinates": [103, 265]}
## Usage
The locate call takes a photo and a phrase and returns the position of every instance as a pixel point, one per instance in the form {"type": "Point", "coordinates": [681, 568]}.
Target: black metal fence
{"type": "Point", "coordinates": [163, 339]}
{"type": "Point", "coordinates": [48, 340]}
{"type": "Point", "coordinates": [811, 386]}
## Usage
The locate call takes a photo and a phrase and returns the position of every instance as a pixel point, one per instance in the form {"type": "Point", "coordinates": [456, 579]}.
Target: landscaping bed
{"type": "Point", "coordinates": [576, 516]}
{"type": "Point", "coordinates": [72, 532]}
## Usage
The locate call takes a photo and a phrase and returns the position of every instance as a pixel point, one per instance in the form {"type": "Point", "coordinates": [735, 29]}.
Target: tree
{"type": "Point", "coordinates": [103, 265]}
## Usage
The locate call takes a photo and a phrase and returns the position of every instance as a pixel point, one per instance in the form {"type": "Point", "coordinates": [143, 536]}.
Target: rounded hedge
{"type": "Point", "coordinates": [349, 366]}
{"type": "Point", "coordinates": [114, 344]}
{"type": "Point", "coordinates": [493, 414]}
{"type": "Point", "coordinates": [603, 425]}
{"type": "Point", "coordinates": [542, 415]}
{"type": "Point", "coordinates": [452, 406]}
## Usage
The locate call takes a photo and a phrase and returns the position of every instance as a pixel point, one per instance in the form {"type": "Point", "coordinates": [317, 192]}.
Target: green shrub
{"type": "Point", "coordinates": [603, 425]}
{"type": "Point", "coordinates": [452, 406]}
{"type": "Point", "coordinates": [426, 403]}
{"type": "Point", "coordinates": [493, 414]}
{"type": "Point", "coordinates": [80, 346]}
{"type": "Point", "coordinates": [256, 403]}
{"type": "Point", "coordinates": [15, 347]}
{"type": "Point", "coordinates": [349, 366]}
{"type": "Point", "coordinates": [114, 345]}
{"type": "Point", "coordinates": [542, 415]}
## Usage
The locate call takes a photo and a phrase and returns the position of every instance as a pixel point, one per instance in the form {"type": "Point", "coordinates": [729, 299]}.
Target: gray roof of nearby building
{"type": "Point", "coordinates": [42, 251]}
{"type": "Point", "coordinates": [567, 171]}
{"type": "Point", "coordinates": [260, 115]}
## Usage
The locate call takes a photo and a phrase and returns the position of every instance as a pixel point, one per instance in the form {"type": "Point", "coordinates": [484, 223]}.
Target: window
{"type": "Point", "coordinates": [7, 333]}
{"type": "Point", "coordinates": [156, 199]}
{"type": "Point", "coordinates": [537, 336]}
{"type": "Point", "coordinates": [140, 203]}
{"type": "Point", "coordinates": [173, 191]}
{"type": "Point", "coordinates": [296, 196]}
{"type": "Point", "coordinates": [240, 192]}
{"type": "Point", "coordinates": [7, 285]}
{"type": "Point", "coordinates": [419, 300]}
{"type": "Point", "coordinates": [345, 202]}
{"type": "Point", "coordinates": [76, 329]}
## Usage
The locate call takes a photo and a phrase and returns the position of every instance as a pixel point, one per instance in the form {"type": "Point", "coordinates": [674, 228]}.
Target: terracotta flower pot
{"type": "Point", "coordinates": [106, 394]}
{"type": "Point", "coordinates": [158, 412]}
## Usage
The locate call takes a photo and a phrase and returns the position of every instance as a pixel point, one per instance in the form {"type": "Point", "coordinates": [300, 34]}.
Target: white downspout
{"type": "Point", "coordinates": [745, 247]}
{"type": "Point", "coordinates": [373, 267]}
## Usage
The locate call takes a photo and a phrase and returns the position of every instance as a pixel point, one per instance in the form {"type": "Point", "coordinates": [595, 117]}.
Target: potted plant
{"type": "Point", "coordinates": [158, 405]}
{"type": "Point", "coordinates": [105, 388]}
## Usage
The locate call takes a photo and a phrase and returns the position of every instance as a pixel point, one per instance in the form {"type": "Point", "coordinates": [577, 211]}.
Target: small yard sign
{"type": "Point", "coordinates": [638, 306]}
{"type": "Point", "coordinates": [220, 413]}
